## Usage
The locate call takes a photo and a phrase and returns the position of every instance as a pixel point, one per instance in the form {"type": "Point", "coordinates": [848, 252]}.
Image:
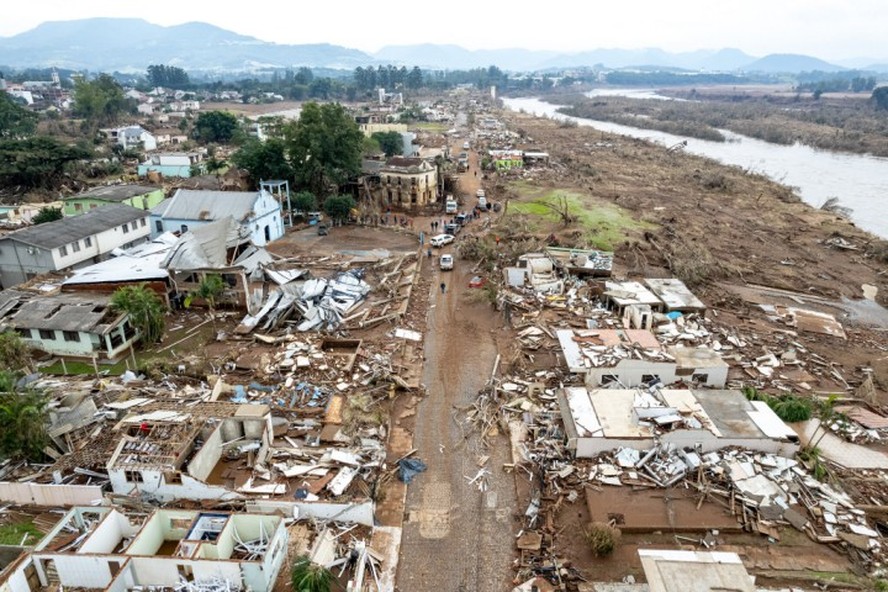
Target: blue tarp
{"type": "Point", "coordinates": [408, 468]}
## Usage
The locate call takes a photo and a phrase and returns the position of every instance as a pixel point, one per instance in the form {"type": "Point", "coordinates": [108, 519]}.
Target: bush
{"type": "Point", "coordinates": [23, 420]}
{"type": "Point", "coordinates": [791, 408]}
{"type": "Point", "coordinates": [310, 577]}
{"type": "Point", "coordinates": [14, 353]}
{"type": "Point", "coordinates": [602, 538]}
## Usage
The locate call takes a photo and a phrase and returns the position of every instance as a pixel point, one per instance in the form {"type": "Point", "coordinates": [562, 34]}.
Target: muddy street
{"type": "Point", "coordinates": [455, 536]}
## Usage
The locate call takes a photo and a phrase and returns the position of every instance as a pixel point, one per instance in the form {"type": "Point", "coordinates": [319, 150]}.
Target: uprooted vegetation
{"type": "Point", "coordinates": [687, 215]}
{"type": "Point", "coordinates": [844, 125]}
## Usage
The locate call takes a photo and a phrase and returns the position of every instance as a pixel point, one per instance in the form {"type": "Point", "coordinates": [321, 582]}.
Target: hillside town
{"type": "Point", "coordinates": [419, 340]}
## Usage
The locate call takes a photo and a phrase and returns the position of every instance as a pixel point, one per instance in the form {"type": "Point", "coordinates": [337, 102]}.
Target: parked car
{"type": "Point", "coordinates": [446, 262]}
{"type": "Point", "coordinates": [439, 240]}
{"type": "Point", "coordinates": [462, 218]}
{"type": "Point", "coordinates": [477, 282]}
{"type": "Point", "coordinates": [323, 230]}
{"type": "Point", "coordinates": [451, 228]}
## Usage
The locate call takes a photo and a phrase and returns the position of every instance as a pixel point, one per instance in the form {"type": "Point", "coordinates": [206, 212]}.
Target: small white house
{"type": "Point", "coordinates": [135, 136]}
{"type": "Point", "coordinates": [258, 212]}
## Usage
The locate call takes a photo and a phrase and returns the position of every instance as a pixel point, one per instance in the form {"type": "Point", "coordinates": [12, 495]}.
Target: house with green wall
{"type": "Point", "coordinates": [143, 197]}
{"type": "Point", "coordinates": [507, 159]}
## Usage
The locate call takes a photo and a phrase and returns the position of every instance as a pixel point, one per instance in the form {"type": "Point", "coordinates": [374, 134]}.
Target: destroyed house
{"type": "Point", "coordinates": [602, 420]}
{"type": "Point", "coordinates": [105, 548]}
{"type": "Point", "coordinates": [582, 262]}
{"type": "Point", "coordinates": [675, 296]}
{"type": "Point", "coordinates": [169, 455]}
{"type": "Point", "coordinates": [633, 357]}
{"type": "Point", "coordinates": [220, 248]}
{"type": "Point", "coordinates": [618, 296]}
{"type": "Point", "coordinates": [139, 266]}
{"type": "Point", "coordinates": [695, 571]}
{"type": "Point", "coordinates": [70, 325]}
{"type": "Point", "coordinates": [257, 212]}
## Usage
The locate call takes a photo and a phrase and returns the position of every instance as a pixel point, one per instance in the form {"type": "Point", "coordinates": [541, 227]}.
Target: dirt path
{"type": "Point", "coordinates": [455, 537]}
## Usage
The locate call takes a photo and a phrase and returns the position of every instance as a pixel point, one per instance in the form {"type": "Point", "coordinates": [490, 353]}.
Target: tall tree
{"type": "Point", "coordinates": [15, 120]}
{"type": "Point", "coordinates": [100, 101]}
{"type": "Point", "coordinates": [414, 78]}
{"type": "Point", "coordinates": [392, 143]}
{"type": "Point", "coordinates": [339, 207]}
{"type": "Point", "coordinates": [263, 160]}
{"type": "Point", "coordinates": [880, 98]}
{"type": "Point", "coordinates": [215, 126]}
{"type": "Point", "coordinates": [168, 76]}
{"type": "Point", "coordinates": [324, 146]}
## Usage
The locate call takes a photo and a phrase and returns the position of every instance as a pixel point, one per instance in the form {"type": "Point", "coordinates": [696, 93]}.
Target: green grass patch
{"type": "Point", "coordinates": [13, 534]}
{"type": "Point", "coordinates": [75, 368]}
{"type": "Point", "coordinates": [606, 224]}
{"type": "Point", "coordinates": [435, 127]}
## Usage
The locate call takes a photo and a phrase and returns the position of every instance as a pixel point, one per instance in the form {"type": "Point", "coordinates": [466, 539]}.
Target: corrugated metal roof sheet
{"type": "Point", "coordinates": [192, 204]}
{"type": "Point", "coordinates": [67, 230]}
{"type": "Point", "coordinates": [204, 247]}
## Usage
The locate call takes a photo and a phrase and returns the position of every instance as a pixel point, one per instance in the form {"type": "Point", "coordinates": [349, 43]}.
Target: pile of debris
{"type": "Point", "coordinates": [764, 491]}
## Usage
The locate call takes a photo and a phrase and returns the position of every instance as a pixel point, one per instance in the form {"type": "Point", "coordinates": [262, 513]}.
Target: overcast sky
{"type": "Point", "coordinates": [828, 29]}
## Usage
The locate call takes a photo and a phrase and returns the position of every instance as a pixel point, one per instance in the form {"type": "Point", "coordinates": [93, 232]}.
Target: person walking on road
{"type": "Point", "coordinates": [443, 287]}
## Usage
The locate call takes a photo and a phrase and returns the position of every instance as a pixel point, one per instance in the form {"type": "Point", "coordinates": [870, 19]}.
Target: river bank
{"type": "Point", "coordinates": [859, 182]}
{"type": "Point", "coordinates": [710, 221]}
{"type": "Point", "coordinates": [845, 124]}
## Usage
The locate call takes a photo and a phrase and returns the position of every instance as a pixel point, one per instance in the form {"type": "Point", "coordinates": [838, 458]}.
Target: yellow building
{"type": "Point", "coordinates": [408, 182]}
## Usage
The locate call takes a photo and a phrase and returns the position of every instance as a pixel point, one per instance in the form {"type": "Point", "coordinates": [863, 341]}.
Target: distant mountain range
{"type": "Point", "coordinates": [130, 45]}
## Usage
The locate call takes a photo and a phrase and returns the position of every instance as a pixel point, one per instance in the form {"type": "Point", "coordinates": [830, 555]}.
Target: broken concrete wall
{"type": "Point", "coordinates": [49, 494]}
{"type": "Point", "coordinates": [359, 512]}
{"type": "Point", "coordinates": [639, 316]}
{"type": "Point", "coordinates": [591, 447]}
{"type": "Point", "coordinates": [125, 579]}
{"type": "Point", "coordinates": [154, 486]}
{"type": "Point", "coordinates": [106, 537]}
{"type": "Point", "coordinates": [17, 580]}
{"type": "Point", "coordinates": [709, 442]}
{"type": "Point", "coordinates": [261, 576]}
{"type": "Point", "coordinates": [207, 457]}
{"type": "Point", "coordinates": [631, 373]}
{"type": "Point", "coordinates": [76, 571]}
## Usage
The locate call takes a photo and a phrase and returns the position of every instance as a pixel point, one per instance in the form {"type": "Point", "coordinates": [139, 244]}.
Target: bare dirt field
{"type": "Point", "coordinates": [355, 241]}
